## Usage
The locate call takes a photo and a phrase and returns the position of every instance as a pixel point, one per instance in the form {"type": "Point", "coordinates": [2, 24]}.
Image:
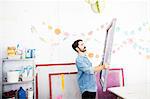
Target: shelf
{"type": "Point", "coordinates": [20, 82]}
{"type": "Point", "coordinates": [28, 59]}
{"type": "Point", "coordinates": [16, 63]}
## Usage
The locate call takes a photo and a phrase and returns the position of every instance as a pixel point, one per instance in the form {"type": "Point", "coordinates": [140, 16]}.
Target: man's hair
{"type": "Point", "coordinates": [75, 44]}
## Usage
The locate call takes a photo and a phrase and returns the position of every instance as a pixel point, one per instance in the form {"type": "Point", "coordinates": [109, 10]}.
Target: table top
{"type": "Point", "coordinates": [136, 91]}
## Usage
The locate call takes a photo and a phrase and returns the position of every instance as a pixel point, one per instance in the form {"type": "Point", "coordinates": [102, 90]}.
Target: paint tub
{"type": "Point", "coordinates": [12, 76]}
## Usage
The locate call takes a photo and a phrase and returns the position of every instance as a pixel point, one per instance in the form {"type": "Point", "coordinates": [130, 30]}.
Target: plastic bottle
{"type": "Point", "coordinates": [21, 93]}
{"type": "Point", "coordinates": [19, 51]}
{"type": "Point", "coordinates": [33, 53]}
{"type": "Point", "coordinates": [30, 93]}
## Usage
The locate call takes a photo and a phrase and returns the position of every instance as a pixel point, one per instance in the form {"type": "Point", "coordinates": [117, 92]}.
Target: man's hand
{"type": "Point", "coordinates": [105, 66]}
{"type": "Point", "coordinates": [100, 67]}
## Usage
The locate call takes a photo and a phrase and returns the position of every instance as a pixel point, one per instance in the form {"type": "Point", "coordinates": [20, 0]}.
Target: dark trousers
{"type": "Point", "coordinates": [89, 95]}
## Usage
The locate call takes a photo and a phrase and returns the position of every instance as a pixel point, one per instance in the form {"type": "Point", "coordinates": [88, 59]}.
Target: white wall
{"type": "Point", "coordinates": [27, 22]}
{"type": "Point", "coordinates": [0, 67]}
{"type": "Point", "coordinates": [1, 42]}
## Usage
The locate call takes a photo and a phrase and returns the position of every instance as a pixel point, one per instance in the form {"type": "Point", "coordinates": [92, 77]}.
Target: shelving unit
{"type": "Point", "coordinates": [24, 66]}
{"type": "Point", "coordinates": [6, 59]}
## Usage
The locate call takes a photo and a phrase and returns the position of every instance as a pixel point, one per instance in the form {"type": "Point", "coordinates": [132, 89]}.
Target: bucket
{"type": "Point", "coordinates": [12, 76]}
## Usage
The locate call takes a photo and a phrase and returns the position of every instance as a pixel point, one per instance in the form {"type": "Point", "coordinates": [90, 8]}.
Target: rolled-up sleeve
{"type": "Point", "coordinates": [84, 66]}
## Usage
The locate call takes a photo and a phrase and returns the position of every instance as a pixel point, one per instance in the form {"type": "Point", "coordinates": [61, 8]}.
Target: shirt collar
{"type": "Point", "coordinates": [84, 55]}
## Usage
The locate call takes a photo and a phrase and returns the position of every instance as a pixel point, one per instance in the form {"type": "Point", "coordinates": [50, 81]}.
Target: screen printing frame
{"type": "Point", "coordinates": [107, 53]}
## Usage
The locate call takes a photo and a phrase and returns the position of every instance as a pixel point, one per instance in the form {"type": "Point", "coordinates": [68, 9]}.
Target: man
{"type": "Point", "coordinates": [86, 77]}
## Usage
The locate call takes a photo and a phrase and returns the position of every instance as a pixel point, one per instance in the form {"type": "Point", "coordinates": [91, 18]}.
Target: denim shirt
{"type": "Point", "coordinates": [86, 77]}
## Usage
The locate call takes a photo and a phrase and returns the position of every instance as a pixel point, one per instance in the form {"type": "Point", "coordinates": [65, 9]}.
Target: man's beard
{"type": "Point", "coordinates": [84, 50]}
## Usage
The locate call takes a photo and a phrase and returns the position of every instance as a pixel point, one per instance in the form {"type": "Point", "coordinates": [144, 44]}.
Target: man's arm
{"type": "Point", "coordinates": [83, 66]}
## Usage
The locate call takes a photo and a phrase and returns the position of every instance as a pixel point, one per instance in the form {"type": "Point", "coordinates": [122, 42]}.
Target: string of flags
{"type": "Point", "coordinates": [61, 36]}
